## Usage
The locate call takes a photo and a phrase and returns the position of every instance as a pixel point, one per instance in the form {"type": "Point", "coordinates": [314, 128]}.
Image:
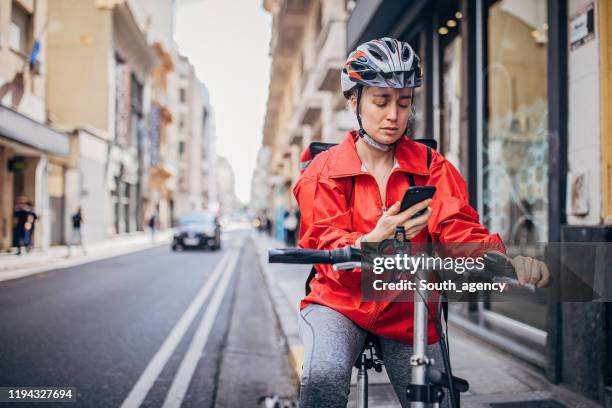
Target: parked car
{"type": "Point", "coordinates": [197, 230]}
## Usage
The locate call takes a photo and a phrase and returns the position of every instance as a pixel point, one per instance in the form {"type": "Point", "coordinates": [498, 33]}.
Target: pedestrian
{"type": "Point", "coordinates": [77, 232]}
{"type": "Point", "coordinates": [152, 226]}
{"type": "Point", "coordinates": [30, 225]}
{"type": "Point", "coordinates": [349, 195]}
{"type": "Point", "coordinates": [268, 224]}
{"type": "Point", "coordinates": [261, 222]}
{"type": "Point", "coordinates": [21, 215]}
{"type": "Point", "coordinates": [290, 224]}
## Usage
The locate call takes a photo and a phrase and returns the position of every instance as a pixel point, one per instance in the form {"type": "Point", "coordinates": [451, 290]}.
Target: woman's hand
{"type": "Point", "coordinates": [385, 227]}
{"type": "Point", "coordinates": [529, 270]}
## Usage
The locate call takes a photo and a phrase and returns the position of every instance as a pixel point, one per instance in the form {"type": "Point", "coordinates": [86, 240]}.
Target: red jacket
{"type": "Point", "coordinates": [327, 223]}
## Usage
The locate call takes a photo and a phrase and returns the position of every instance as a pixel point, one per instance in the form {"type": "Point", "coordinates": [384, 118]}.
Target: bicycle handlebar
{"type": "Point", "coordinates": [500, 269]}
{"type": "Point", "coordinates": [314, 256]}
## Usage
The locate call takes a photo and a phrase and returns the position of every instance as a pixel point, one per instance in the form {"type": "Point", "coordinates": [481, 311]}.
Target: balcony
{"type": "Point", "coordinates": [161, 169]}
{"type": "Point", "coordinates": [331, 55]}
{"type": "Point", "coordinates": [288, 25]}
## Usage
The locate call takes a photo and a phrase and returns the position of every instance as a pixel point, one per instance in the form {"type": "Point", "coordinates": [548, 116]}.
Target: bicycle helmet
{"type": "Point", "coordinates": [385, 63]}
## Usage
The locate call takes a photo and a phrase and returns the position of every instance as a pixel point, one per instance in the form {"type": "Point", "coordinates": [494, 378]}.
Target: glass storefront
{"type": "Point", "coordinates": [485, 99]}
{"type": "Point", "coordinates": [450, 40]}
{"type": "Point", "coordinates": [497, 88]}
{"type": "Point", "coordinates": [515, 145]}
{"type": "Point", "coordinates": [515, 148]}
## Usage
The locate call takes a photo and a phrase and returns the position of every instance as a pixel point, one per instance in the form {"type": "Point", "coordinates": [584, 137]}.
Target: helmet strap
{"type": "Point", "coordinates": [410, 124]}
{"type": "Point", "coordinates": [362, 133]}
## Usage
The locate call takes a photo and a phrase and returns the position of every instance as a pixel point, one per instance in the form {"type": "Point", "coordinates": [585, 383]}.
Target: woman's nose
{"type": "Point", "coordinates": [392, 113]}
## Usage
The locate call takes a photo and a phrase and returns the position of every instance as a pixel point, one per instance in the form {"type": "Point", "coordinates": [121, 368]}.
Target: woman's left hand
{"type": "Point", "coordinates": [531, 270]}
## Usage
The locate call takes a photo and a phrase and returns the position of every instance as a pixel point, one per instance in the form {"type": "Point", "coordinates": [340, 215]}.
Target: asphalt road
{"type": "Point", "coordinates": [153, 328]}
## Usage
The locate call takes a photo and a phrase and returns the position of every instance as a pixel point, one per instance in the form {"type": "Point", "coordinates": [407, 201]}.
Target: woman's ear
{"type": "Point", "coordinates": [353, 103]}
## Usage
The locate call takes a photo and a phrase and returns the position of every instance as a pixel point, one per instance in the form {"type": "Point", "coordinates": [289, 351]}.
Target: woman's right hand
{"type": "Point", "coordinates": [385, 227]}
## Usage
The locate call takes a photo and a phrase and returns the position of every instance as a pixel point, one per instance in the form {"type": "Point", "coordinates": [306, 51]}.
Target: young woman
{"type": "Point", "coordinates": [351, 194]}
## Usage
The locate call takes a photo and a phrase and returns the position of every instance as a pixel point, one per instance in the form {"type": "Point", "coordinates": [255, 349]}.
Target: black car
{"type": "Point", "coordinates": [197, 230]}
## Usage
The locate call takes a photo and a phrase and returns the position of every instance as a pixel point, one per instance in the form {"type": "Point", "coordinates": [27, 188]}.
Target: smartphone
{"type": "Point", "coordinates": [415, 195]}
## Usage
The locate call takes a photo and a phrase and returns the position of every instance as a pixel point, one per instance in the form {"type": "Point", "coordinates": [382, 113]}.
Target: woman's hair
{"type": "Point", "coordinates": [350, 93]}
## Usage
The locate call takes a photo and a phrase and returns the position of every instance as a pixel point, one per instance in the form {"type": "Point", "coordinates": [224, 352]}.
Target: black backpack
{"type": "Point", "coordinates": [319, 147]}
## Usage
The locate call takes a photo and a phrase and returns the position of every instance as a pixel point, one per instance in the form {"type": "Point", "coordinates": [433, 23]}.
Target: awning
{"type": "Point", "coordinates": [22, 129]}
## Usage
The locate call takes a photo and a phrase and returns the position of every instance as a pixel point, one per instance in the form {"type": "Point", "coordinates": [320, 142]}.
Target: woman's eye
{"type": "Point", "coordinates": [404, 106]}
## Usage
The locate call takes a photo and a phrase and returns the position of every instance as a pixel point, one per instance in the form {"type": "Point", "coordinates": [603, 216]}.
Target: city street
{"type": "Point", "coordinates": [134, 131]}
{"type": "Point", "coordinates": [152, 328]}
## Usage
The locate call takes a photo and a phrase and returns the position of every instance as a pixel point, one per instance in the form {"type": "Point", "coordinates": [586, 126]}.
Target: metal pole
{"type": "Point", "coordinates": [419, 349]}
{"type": "Point", "coordinates": [362, 383]}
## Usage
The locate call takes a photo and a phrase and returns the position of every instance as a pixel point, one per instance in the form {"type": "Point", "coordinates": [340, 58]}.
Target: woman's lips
{"type": "Point", "coordinates": [389, 131]}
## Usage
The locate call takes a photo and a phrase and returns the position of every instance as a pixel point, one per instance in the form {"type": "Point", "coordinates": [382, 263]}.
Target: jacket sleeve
{"type": "Point", "coordinates": [453, 220]}
{"type": "Point", "coordinates": [326, 219]}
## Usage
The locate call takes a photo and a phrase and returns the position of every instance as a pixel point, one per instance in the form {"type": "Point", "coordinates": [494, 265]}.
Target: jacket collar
{"type": "Point", "coordinates": [410, 156]}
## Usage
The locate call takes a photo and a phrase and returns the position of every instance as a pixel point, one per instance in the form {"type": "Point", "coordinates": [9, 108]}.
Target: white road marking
{"type": "Point", "coordinates": [181, 381]}
{"type": "Point", "coordinates": [157, 363]}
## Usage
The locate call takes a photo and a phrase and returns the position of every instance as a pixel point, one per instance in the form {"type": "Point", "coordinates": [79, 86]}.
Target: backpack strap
{"type": "Point", "coordinates": [311, 276]}
{"type": "Point", "coordinates": [349, 200]}
{"type": "Point", "coordinates": [444, 303]}
{"type": "Point", "coordinates": [411, 179]}
{"type": "Point", "coordinates": [411, 176]}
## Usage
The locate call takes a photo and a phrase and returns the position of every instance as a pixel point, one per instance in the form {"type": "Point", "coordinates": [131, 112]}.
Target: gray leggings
{"type": "Point", "coordinates": [332, 343]}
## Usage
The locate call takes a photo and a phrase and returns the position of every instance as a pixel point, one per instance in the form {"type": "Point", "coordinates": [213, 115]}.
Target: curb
{"type": "Point", "coordinates": [62, 263]}
{"type": "Point", "coordinates": [286, 317]}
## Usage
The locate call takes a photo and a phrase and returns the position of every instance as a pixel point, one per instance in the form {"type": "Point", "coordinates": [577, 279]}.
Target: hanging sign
{"type": "Point", "coordinates": [582, 27]}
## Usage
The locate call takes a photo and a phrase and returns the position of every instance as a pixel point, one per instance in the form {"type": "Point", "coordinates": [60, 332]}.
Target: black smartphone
{"type": "Point", "coordinates": [415, 195]}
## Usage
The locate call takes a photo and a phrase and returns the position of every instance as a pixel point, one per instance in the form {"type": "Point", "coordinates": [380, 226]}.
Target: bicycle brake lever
{"type": "Point", "coordinates": [346, 265]}
{"type": "Point", "coordinates": [514, 282]}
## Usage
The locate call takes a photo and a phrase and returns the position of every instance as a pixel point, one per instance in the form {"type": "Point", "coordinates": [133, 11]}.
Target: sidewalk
{"type": "Point", "coordinates": [494, 376]}
{"type": "Point", "coordinates": [17, 266]}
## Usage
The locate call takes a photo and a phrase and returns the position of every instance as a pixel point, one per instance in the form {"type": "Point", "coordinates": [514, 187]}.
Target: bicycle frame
{"type": "Point", "coordinates": [420, 391]}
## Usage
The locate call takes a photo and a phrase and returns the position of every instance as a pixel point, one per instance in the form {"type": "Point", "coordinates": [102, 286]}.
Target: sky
{"type": "Point", "coordinates": [228, 43]}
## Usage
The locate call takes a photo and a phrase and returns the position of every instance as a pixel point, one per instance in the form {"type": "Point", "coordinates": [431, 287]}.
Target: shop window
{"type": "Point", "coordinates": [449, 35]}
{"type": "Point", "coordinates": [123, 77]}
{"type": "Point", "coordinates": [136, 91]}
{"type": "Point", "coordinates": [20, 29]}
{"type": "Point", "coordinates": [515, 144]}
{"type": "Point", "coordinates": [515, 195]}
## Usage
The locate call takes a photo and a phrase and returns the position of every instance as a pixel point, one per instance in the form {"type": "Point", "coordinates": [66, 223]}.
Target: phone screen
{"type": "Point", "coordinates": [415, 195]}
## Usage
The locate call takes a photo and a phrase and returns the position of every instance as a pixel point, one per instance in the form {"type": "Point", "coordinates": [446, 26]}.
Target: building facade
{"type": "Point", "coordinates": [226, 187]}
{"type": "Point", "coordinates": [304, 102]}
{"type": "Point", "coordinates": [91, 45]}
{"type": "Point", "coordinates": [515, 93]}
{"type": "Point", "coordinates": [33, 156]}
{"type": "Point", "coordinates": [208, 186]}
{"type": "Point", "coordinates": [191, 112]}
{"type": "Point", "coordinates": [98, 109]}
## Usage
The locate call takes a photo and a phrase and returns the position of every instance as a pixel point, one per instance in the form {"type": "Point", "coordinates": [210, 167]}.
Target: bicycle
{"type": "Point", "coordinates": [428, 383]}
